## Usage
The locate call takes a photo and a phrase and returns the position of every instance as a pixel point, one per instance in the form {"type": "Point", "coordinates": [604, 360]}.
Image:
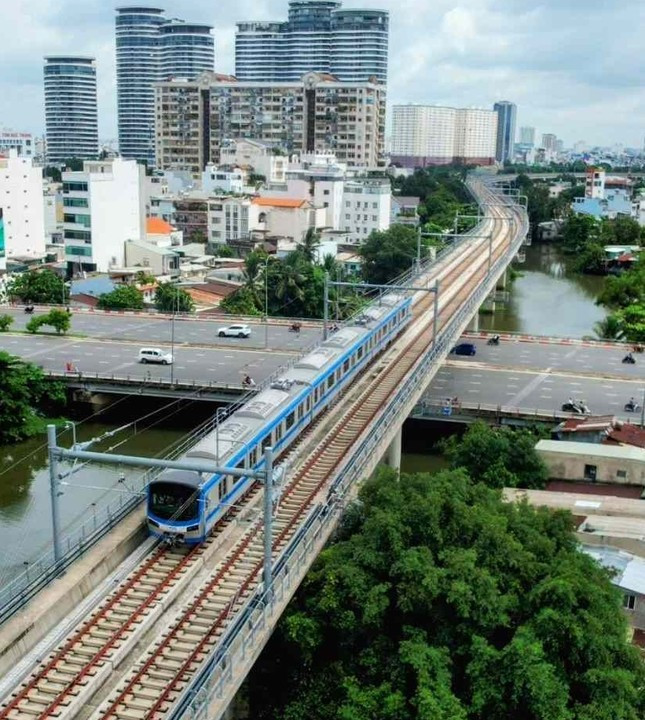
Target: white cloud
{"type": "Point", "coordinates": [571, 70]}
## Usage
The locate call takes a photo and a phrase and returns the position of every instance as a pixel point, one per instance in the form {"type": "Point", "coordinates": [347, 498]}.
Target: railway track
{"type": "Point", "coordinates": [68, 678]}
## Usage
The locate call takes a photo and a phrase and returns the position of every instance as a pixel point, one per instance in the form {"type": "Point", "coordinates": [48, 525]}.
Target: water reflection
{"type": "Point", "coordinates": [548, 298]}
{"type": "Point", "coordinates": [25, 505]}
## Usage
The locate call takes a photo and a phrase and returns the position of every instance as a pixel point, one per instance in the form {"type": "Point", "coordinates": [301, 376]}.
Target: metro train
{"type": "Point", "coordinates": [183, 506]}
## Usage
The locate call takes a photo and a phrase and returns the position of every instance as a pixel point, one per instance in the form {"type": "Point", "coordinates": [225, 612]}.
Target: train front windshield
{"type": "Point", "coordinates": [172, 501]}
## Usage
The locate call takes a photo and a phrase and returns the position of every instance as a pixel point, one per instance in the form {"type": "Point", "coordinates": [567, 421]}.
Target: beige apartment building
{"type": "Point", "coordinates": [194, 118]}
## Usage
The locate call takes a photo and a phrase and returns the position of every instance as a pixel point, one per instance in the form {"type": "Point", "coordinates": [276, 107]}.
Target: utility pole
{"type": "Point", "coordinates": [267, 572]}
{"type": "Point", "coordinates": [172, 338]}
{"type": "Point", "coordinates": [435, 317]}
{"type": "Point", "coordinates": [326, 309]}
{"type": "Point", "coordinates": [53, 489]}
{"type": "Point", "coordinates": [643, 410]}
{"type": "Point", "coordinates": [266, 302]}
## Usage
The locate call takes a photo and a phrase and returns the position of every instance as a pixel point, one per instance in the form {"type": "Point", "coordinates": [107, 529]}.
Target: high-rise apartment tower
{"type": "Point", "coordinates": [506, 119]}
{"type": "Point", "coordinates": [527, 135]}
{"type": "Point", "coordinates": [71, 118]}
{"type": "Point", "coordinates": [318, 36]}
{"type": "Point", "coordinates": [150, 48]}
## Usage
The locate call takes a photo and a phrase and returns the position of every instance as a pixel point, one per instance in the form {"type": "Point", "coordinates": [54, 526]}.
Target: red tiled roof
{"type": "Point", "coordinates": [157, 226]}
{"type": "Point", "coordinates": [279, 202]}
{"type": "Point", "coordinates": [626, 434]}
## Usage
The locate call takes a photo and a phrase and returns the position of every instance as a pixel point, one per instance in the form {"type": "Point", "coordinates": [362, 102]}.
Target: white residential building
{"type": "Point", "coordinates": [231, 219]}
{"type": "Point", "coordinates": [103, 208]}
{"type": "Point", "coordinates": [21, 204]}
{"type": "Point", "coordinates": [256, 156]}
{"type": "Point", "coordinates": [287, 218]}
{"type": "Point", "coordinates": [22, 143]}
{"type": "Point", "coordinates": [425, 135]}
{"type": "Point", "coordinates": [217, 180]}
{"type": "Point", "coordinates": [367, 207]}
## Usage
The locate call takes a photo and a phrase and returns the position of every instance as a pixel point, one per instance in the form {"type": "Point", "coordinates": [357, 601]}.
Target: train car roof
{"type": "Point", "coordinates": [345, 337]}
{"type": "Point", "coordinates": [219, 444]}
{"type": "Point", "coordinates": [263, 404]}
{"type": "Point", "coordinates": [191, 478]}
{"type": "Point", "coordinates": [392, 299]}
{"type": "Point", "coordinates": [317, 359]}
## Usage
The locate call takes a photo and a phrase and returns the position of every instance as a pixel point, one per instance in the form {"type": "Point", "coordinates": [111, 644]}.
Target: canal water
{"type": "Point", "coordinates": [548, 298]}
{"type": "Point", "coordinates": [25, 502]}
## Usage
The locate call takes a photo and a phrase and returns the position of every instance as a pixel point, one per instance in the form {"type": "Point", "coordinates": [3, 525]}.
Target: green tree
{"type": "Point", "coordinates": [308, 246]}
{"type": "Point", "coordinates": [26, 397]}
{"type": "Point", "coordinates": [170, 298]}
{"type": "Point", "coordinates": [389, 253]}
{"type": "Point", "coordinates": [438, 600]}
{"type": "Point", "coordinates": [609, 328]}
{"type": "Point", "coordinates": [144, 278]}
{"type": "Point", "coordinates": [498, 456]}
{"type": "Point", "coordinates": [241, 302]}
{"type": "Point", "coordinates": [60, 320]}
{"type": "Point", "coordinates": [578, 231]}
{"type": "Point", "coordinates": [289, 289]}
{"type": "Point", "coordinates": [591, 259]}
{"type": "Point", "coordinates": [123, 297]}
{"type": "Point", "coordinates": [5, 322]}
{"type": "Point", "coordinates": [221, 250]}
{"type": "Point", "coordinates": [42, 287]}
{"type": "Point", "coordinates": [632, 322]}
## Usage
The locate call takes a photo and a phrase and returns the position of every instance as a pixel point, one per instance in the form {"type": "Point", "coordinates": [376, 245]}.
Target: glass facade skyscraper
{"type": "Point", "coordinates": [151, 48]}
{"type": "Point", "coordinates": [506, 119]}
{"type": "Point", "coordinates": [318, 36]}
{"type": "Point", "coordinates": [71, 118]}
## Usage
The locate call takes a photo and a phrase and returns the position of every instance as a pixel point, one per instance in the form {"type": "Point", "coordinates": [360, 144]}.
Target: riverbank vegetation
{"type": "Point", "coordinates": [40, 287]}
{"type": "Point", "coordinates": [440, 601]}
{"type": "Point", "coordinates": [27, 398]}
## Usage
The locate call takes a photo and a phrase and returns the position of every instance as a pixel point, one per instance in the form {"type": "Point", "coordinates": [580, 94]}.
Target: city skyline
{"type": "Point", "coordinates": [577, 85]}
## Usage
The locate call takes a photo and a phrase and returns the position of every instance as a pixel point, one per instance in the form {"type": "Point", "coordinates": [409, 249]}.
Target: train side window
{"type": "Point", "coordinates": [359, 354]}
{"type": "Point", "coordinates": [330, 381]}
{"type": "Point", "coordinates": [345, 366]}
{"type": "Point", "coordinates": [308, 405]}
{"type": "Point", "coordinates": [266, 442]}
{"type": "Point", "coordinates": [301, 410]}
{"type": "Point", "coordinates": [221, 488]}
{"type": "Point", "coordinates": [290, 421]}
{"type": "Point", "coordinates": [254, 457]}
{"type": "Point", "coordinates": [278, 433]}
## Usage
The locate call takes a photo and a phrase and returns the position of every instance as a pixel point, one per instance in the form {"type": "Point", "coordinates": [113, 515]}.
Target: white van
{"type": "Point", "coordinates": [155, 355]}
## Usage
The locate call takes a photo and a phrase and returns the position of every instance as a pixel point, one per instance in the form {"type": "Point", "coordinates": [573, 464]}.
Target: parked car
{"type": "Point", "coordinates": [464, 349]}
{"type": "Point", "coordinates": [155, 355]}
{"type": "Point", "coordinates": [242, 331]}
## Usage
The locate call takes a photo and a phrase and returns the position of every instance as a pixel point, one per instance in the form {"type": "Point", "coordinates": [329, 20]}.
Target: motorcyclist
{"type": "Point", "coordinates": [631, 404]}
{"type": "Point", "coordinates": [629, 358]}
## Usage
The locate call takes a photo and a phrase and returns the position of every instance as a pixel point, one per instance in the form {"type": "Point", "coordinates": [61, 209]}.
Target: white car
{"type": "Point", "coordinates": [155, 355]}
{"type": "Point", "coordinates": [242, 331]}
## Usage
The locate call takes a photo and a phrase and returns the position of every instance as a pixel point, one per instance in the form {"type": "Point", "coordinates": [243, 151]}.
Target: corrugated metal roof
{"type": "Point", "coordinates": [630, 570]}
{"type": "Point", "coordinates": [565, 447]}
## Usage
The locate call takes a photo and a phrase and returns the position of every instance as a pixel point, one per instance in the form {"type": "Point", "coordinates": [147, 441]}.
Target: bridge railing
{"type": "Point", "coordinates": [438, 408]}
{"type": "Point", "coordinates": [260, 611]}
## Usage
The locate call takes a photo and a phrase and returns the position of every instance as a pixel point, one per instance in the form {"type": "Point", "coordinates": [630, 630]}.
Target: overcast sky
{"type": "Point", "coordinates": [574, 67]}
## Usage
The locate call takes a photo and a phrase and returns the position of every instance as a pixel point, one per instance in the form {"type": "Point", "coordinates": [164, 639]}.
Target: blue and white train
{"type": "Point", "coordinates": [183, 506]}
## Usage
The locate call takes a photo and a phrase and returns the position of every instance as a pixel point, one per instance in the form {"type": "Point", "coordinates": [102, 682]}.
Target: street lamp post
{"type": "Point", "coordinates": [172, 342]}
{"type": "Point", "coordinates": [266, 302]}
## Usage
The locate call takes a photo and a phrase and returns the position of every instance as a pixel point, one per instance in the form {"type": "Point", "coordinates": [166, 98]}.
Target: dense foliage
{"type": "Point", "coordinates": [499, 457]}
{"type": "Point", "coordinates": [389, 253]}
{"type": "Point", "coordinates": [60, 320]}
{"type": "Point", "coordinates": [625, 296]}
{"type": "Point", "coordinates": [6, 321]}
{"type": "Point", "coordinates": [170, 298]}
{"type": "Point", "coordinates": [26, 396]}
{"type": "Point", "coordinates": [42, 287]}
{"type": "Point", "coordinates": [442, 602]}
{"type": "Point", "coordinates": [292, 286]}
{"type": "Point", "coordinates": [124, 297]}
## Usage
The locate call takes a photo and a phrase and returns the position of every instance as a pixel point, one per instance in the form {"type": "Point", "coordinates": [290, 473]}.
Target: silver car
{"type": "Point", "coordinates": [241, 331]}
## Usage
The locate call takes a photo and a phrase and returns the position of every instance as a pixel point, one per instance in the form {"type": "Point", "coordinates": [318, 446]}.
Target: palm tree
{"type": "Point", "coordinates": [609, 328]}
{"type": "Point", "coordinates": [309, 245]}
{"type": "Point", "coordinates": [289, 283]}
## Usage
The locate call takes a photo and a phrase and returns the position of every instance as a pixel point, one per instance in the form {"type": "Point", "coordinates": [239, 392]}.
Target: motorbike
{"type": "Point", "coordinates": [577, 407]}
{"type": "Point", "coordinates": [29, 309]}
{"type": "Point", "coordinates": [494, 340]}
{"type": "Point", "coordinates": [629, 360]}
{"type": "Point", "coordinates": [295, 327]}
{"type": "Point", "coordinates": [632, 407]}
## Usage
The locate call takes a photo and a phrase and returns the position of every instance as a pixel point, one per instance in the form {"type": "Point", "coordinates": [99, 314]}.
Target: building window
{"type": "Point", "coordinates": [74, 187]}
{"type": "Point", "coordinates": [629, 601]}
{"type": "Point", "coordinates": [590, 472]}
{"type": "Point", "coordinates": [325, 192]}
{"type": "Point", "coordinates": [621, 474]}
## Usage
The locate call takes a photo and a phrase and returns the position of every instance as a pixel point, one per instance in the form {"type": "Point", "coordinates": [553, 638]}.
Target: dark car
{"type": "Point", "coordinates": [464, 349]}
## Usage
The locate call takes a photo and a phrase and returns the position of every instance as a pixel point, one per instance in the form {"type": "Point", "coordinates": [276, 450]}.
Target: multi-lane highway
{"type": "Point", "coordinates": [155, 329]}
{"type": "Point", "coordinates": [109, 344]}
{"type": "Point", "coordinates": [537, 376]}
